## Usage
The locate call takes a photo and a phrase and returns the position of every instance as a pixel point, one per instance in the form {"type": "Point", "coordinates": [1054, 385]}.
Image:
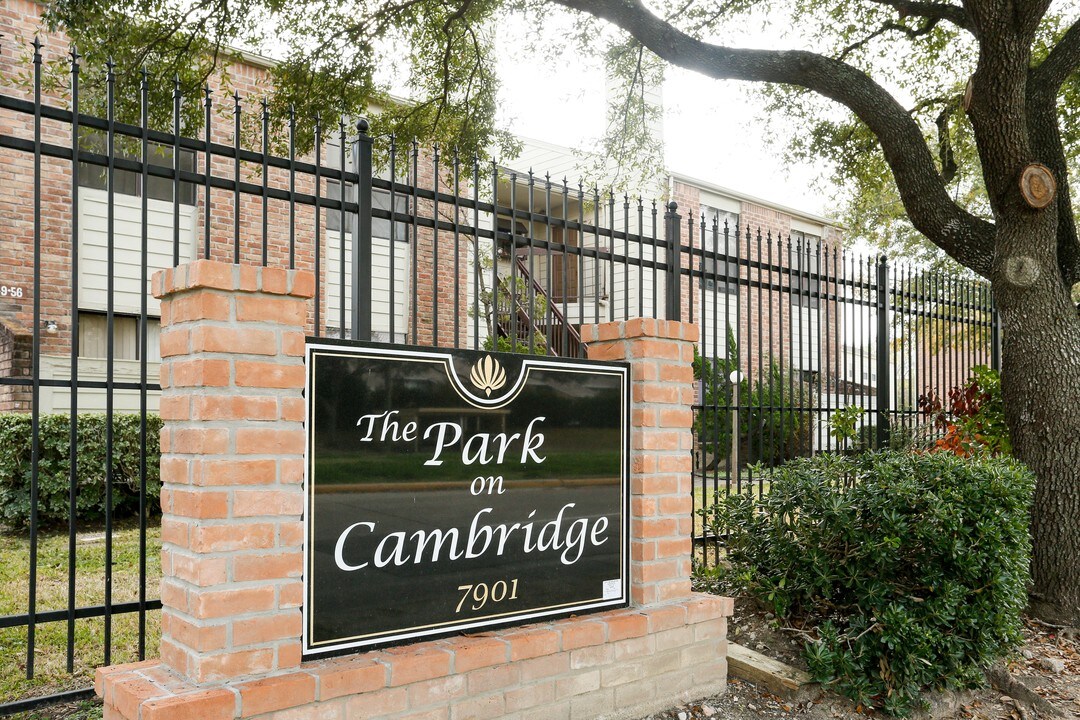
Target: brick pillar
{"type": "Point", "coordinates": [232, 378]}
{"type": "Point", "coordinates": [661, 354]}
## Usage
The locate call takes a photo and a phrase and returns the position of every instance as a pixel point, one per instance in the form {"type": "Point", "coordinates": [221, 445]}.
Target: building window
{"type": "Point", "coordinates": [803, 261]}
{"type": "Point", "coordinates": [564, 281]}
{"type": "Point", "coordinates": [380, 200]}
{"type": "Point", "coordinates": [94, 337]}
{"type": "Point", "coordinates": [721, 237]}
{"type": "Point", "coordinates": [127, 182]}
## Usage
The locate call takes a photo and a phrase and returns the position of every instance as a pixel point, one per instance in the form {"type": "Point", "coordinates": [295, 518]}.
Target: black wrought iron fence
{"type": "Point", "coordinates": [407, 245]}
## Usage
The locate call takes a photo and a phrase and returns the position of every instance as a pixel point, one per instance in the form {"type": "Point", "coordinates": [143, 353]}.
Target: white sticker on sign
{"type": "Point", "coordinates": [612, 589]}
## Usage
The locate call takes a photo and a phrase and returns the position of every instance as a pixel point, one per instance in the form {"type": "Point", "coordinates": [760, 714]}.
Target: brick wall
{"type": "Point", "coordinates": [232, 447]}
{"type": "Point", "coordinates": [15, 352]}
{"type": "Point", "coordinates": [619, 664]}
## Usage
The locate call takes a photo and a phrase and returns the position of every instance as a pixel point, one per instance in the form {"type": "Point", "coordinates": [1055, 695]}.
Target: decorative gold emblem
{"type": "Point", "coordinates": [488, 375]}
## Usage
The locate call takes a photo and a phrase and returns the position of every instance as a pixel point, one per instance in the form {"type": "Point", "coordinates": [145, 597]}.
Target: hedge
{"type": "Point", "coordinates": [914, 566]}
{"type": "Point", "coordinates": [54, 433]}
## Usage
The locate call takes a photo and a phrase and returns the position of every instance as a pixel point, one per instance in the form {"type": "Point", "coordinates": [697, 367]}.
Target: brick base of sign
{"type": "Point", "coordinates": [619, 664]}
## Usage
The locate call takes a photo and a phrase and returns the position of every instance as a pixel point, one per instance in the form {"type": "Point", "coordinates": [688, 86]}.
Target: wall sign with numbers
{"type": "Point", "coordinates": [11, 291]}
{"type": "Point", "coordinates": [449, 491]}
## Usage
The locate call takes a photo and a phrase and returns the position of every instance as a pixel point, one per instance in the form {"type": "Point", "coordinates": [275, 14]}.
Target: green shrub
{"type": "Point", "coordinates": [54, 467]}
{"type": "Point", "coordinates": [916, 565]}
{"type": "Point", "coordinates": [771, 430]}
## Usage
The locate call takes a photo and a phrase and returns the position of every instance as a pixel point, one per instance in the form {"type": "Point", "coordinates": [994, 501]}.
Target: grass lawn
{"type": "Point", "coordinates": [50, 642]}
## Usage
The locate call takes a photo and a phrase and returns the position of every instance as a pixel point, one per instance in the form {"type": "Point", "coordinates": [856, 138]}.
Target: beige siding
{"type": "Point", "coordinates": [380, 284]}
{"type": "Point", "coordinates": [93, 400]}
{"type": "Point", "coordinates": [127, 241]}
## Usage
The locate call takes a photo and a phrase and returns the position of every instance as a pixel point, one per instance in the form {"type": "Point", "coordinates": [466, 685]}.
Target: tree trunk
{"type": "Point", "coordinates": [1041, 387]}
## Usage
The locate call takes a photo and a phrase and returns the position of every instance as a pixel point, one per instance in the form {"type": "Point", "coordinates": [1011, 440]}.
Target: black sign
{"type": "Point", "coordinates": [453, 490]}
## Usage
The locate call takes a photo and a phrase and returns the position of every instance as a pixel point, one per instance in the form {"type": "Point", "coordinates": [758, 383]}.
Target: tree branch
{"type": "Point", "coordinates": [912, 34]}
{"type": "Point", "coordinates": [954, 14]}
{"type": "Point", "coordinates": [966, 238]}
{"type": "Point", "coordinates": [1062, 61]}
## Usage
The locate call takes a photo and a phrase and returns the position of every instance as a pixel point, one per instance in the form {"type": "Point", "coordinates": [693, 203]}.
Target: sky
{"type": "Point", "coordinates": [713, 129]}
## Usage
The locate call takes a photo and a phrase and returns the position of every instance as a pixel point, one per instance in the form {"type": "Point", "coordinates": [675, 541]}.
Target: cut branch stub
{"type": "Point", "coordinates": [969, 91]}
{"type": "Point", "coordinates": [1037, 185]}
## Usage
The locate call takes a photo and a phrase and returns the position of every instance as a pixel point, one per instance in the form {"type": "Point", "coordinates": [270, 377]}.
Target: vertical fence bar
{"type": "Point", "coordinates": [690, 292]}
{"type": "Point", "coordinates": [207, 104]}
{"type": "Point", "coordinates": [292, 194]}
{"type": "Point", "coordinates": [829, 382]}
{"type": "Point", "coordinates": [265, 181]}
{"type": "Point", "coordinates": [565, 329]}
{"type": "Point", "coordinates": [530, 291]}
{"type": "Point", "coordinates": [144, 243]}
{"type": "Point", "coordinates": [362, 242]}
{"type": "Point", "coordinates": [822, 363]}
{"type": "Point", "coordinates": [712, 406]}
{"type": "Point", "coordinates": [414, 199]}
{"type": "Point", "coordinates": [671, 236]}
{"type": "Point", "coordinates": [35, 388]}
{"type": "Point", "coordinates": [391, 292]}
{"type": "Point", "coordinates": [494, 321]}
{"type": "Point", "coordinates": [803, 297]}
{"type": "Point", "coordinates": [721, 383]}
{"type": "Point", "coordinates": [736, 357]}
{"type": "Point", "coordinates": [764, 408]}
{"type": "Point", "coordinates": [318, 225]}
{"type": "Point", "coordinates": [579, 251]}
{"type": "Point", "coordinates": [749, 360]}
{"type": "Point", "coordinates": [177, 97]}
{"type": "Point", "coordinates": [110, 351]}
{"type": "Point", "coordinates": [549, 313]}
{"type": "Point", "coordinates": [73, 385]}
{"type": "Point", "coordinates": [626, 255]}
{"type": "Point", "coordinates": [655, 295]}
{"type": "Point", "coordinates": [236, 176]}
{"type": "Point", "coordinates": [457, 249]}
{"type": "Point", "coordinates": [477, 269]}
{"type": "Point", "coordinates": [919, 363]}
{"type": "Point", "coordinates": [343, 195]}
{"type": "Point", "coordinates": [774, 297]}
{"type": "Point", "coordinates": [787, 261]}
{"type": "Point", "coordinates": [698, 467]}
{"type": "Point", "coordinates": [611, 238]}
{"type": "Point", "coordinates": [883, 392]}
{"type": "Point", "coordinates": [435, 246]}
{"type": "Point", "coordinates": [934, 333]}
{"type": "Point", "coordinates": [512, 299]}
{"type": "Point", "coordinates": [641, 258]}
{"type": "Point", "coordinates": [596, 262]}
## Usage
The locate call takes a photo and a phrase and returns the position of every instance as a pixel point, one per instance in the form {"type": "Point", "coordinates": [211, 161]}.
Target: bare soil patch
{"type": "Point", "coordinates": [1048, 664]}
